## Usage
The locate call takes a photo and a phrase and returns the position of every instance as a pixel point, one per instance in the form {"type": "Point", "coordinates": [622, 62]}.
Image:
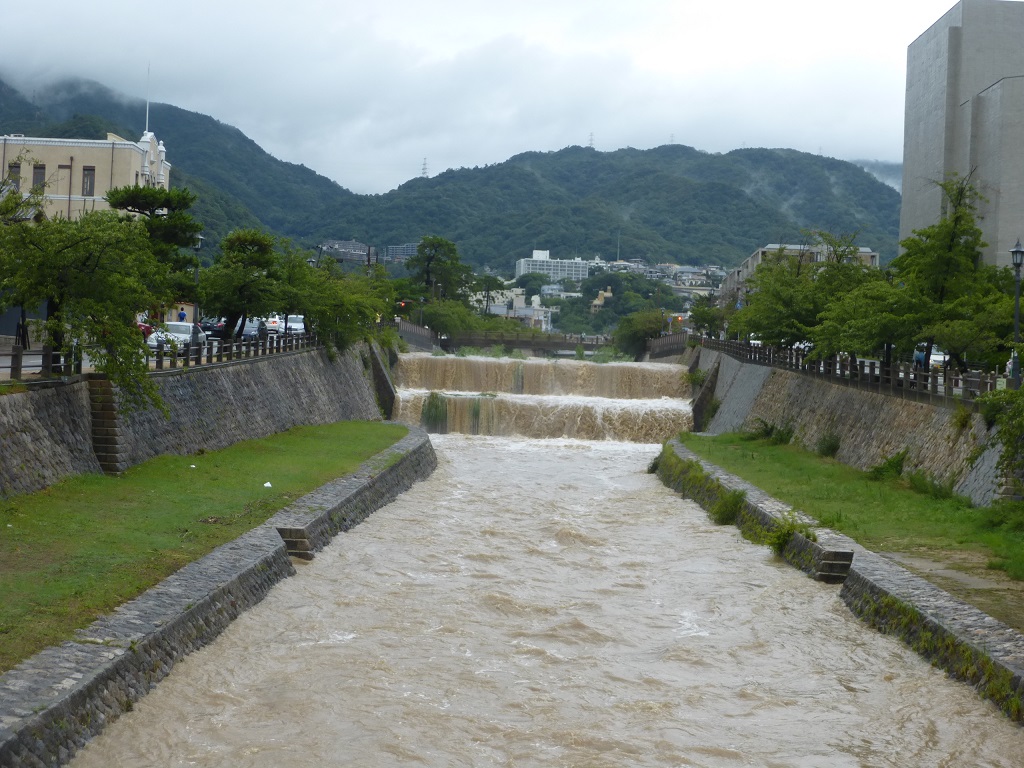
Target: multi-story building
{"type": "Point", "coordinates": [76, 174]}
{"type": "Point", "coordinates": [557, 269]}
{"type": "Point", "coordinates": [400, 253]}
{"type": "Point", "coordinates": [735, 282]}
{"type": "Point", "coordinates": [965, 115]}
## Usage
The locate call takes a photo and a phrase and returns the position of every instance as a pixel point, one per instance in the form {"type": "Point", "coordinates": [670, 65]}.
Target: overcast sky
{"type": "Point", "coordinates": [366, 92]}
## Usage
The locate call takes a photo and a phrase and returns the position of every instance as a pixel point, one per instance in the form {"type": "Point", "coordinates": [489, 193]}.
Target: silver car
{"type": "Point", "coordinates": [176, 336]}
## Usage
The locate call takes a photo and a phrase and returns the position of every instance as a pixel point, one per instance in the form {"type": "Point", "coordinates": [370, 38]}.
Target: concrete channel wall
{"type": "Point", "coordinates": [53, 703]}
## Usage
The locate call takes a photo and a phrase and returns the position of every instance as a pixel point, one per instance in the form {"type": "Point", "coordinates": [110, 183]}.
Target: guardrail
{"type": "Point", "coordinates": [938, 386]}
{"type": "Point", "coordinates": [19, 364]}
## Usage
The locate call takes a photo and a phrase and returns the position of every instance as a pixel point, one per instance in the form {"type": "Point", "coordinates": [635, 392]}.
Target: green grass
{"type": "Point", "coordinates": [885, 515]}
{"type": "Point", "coordinates": [77, 550]}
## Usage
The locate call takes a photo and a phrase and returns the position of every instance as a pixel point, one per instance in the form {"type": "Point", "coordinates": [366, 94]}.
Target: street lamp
{"type": "Point", "coordinates": [195, 305]}
{"type": "Point", "coordinates": [1017, 253]}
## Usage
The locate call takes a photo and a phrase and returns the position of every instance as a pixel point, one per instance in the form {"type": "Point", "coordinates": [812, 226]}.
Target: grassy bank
{"type": "Point", "coordinates": [894, 514]}
{"type": "Point", "coordinates": [81, 548]}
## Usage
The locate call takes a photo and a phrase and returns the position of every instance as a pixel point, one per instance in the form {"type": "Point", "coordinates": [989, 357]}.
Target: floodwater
{"type": "Point", "coordinates": [635, 402]}
{"type": "Point", "coordinates": [549, 603]}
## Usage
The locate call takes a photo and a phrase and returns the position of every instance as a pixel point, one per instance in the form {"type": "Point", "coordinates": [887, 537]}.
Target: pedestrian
{"type": "Point", "coordinates": [181, 315]}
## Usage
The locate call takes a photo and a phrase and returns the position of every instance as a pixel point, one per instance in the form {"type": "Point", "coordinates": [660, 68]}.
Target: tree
{"type": "Point", "coordinates": [173, 233]}
{"type": "Point", "coordinates": [633, 331]}
{"type": "Point", "coordinates": [345, 307]}
{"type": "Point", "coordinates": [706, 316]}
{"type": "Point", "coordinates": [437, 265]}
{"type": "Point", "coordinates": [241, 283]}
{"type": "Point", "coordinates": [486, 284]}
{"type": "Point", "coordinates": [941, 268]}
{"type": "Point", "coordinates": [95, 275]}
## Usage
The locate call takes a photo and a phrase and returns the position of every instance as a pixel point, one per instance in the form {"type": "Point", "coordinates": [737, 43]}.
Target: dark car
{"type": "Point", "coordinates": [254, 330]}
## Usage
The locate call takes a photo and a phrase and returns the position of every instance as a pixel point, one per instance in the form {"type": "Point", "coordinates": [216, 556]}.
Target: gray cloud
{"type": "Point", "coordinates": [363, 95]}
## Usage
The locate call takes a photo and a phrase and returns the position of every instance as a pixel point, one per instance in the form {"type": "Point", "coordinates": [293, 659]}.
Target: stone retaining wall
{"type": "Point", "coordinates": [959, 638]}
{"type": "Point", "coordinates": [53, 703]}
{"type": "Point", "coordinates": [871, 427]}
{"type": "Point", "coordinates": [45, 434]}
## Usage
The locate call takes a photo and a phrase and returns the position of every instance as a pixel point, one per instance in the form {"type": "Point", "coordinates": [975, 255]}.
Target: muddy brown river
{"type": "Point", "coordinates": [549, 603]}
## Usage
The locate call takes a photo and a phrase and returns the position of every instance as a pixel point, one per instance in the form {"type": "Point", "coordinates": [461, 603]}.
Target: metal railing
{"type": "Point", "coordinates": [18, 364]}
{"type": "Point", "coordinates": [940, 386]}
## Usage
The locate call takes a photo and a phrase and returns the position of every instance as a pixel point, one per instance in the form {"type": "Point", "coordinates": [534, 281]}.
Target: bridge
{"type": "Point", "coordinates": [540, 344]}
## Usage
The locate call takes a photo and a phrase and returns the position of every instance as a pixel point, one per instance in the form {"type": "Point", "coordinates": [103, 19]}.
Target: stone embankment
{"type": "Point", "coordinates": [947, 445]}
{"type": "Point", "coordinates": [53, 703]}
{"type": "Point", "coordinates": [59, 431]}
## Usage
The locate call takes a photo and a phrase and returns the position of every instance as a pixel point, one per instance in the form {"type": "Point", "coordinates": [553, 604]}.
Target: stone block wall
{"type": "Point", "coordinates": [47, 434]}
{"type": "Point", "coordinates": [871, 427]}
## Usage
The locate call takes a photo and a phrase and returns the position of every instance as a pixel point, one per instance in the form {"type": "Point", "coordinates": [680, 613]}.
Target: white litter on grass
{"type": "Point", "coordinates": [266, 485]}
{"type": "Point", "coordinates": [192, 465]}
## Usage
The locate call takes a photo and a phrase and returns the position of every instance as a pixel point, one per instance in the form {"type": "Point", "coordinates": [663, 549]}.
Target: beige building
{"type": "Point", "coordinates": [965, 113]}
{"type": "Point", "coordinates": [78, 173]}
{"type": "Point", "coordinates": [735, 282]}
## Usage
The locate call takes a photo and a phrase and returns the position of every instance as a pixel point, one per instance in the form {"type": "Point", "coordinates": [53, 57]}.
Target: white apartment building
{"type": "Point", "coordinates": [78, 173]}
{"type": "Point", "coordinates": [557, 269]}
{"type": "Point", "coordinates": [965, 112]}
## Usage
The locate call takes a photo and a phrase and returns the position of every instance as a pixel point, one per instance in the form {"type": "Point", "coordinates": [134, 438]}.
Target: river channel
{"type": "Point", "coordinates": [549, 603]}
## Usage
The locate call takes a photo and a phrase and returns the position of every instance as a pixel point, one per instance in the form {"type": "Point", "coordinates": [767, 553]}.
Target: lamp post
{"type": "Point", "coordinates": [1017, 253]}
{"type": "Point", "coordinates": [195, 305]}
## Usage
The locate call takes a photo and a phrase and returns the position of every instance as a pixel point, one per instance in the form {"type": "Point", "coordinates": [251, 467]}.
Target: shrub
{"type": "Point", "coordinates": [782, 435]}
{"type": "Point", "coordinates": [778, 538]}
{"type": "Point", "coordinates": [828, 445]}
{"type": "Point", "coordinates": [762, 430]}
{"type": "Point", "coordinates": [695, 378]}
{"type": "Point", "coordinates": [920, 482]}
{"type": "Point", "coordinates": [891, 467]}
{"type": "Point", "coordinates": [434, 417]}
{"type": "Point", "coordinates": [726, 510]}
{"type": "Point", "coordinates": [962, 418]}
{"type": "Point", "coordinates": [711, 410]}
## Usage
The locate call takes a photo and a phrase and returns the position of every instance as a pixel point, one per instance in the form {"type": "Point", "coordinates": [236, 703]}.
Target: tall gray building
{"type": "Point", "coordinates": [964, 113]}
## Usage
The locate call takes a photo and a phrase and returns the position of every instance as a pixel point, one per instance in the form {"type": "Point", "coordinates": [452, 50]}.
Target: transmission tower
{"type": "Point", "coordinates": [423, 172]}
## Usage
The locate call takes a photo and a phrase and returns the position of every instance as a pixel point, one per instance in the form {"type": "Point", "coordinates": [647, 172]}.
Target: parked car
{"type": "Point", "coordinates": [254, 329]}
{"type": "Point", "coordinates": [146, 328]}
{"type": "Point", "coordinates": [176, 336]}
{"type": "Point", "coordinates": [294, 324]}
{"type": "Point", "coordinates": [211, 325]}
{"type": "Point", "coordinates": [274, 323]}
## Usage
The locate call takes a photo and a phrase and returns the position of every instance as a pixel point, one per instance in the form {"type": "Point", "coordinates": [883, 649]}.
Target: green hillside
{"type": "Point", "coordinates": [668, 204]}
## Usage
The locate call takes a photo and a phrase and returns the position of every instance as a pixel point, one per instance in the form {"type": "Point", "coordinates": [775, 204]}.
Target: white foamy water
{"type": "Point", "coordinates": [548, 603]}
{"type": "Point", "coordinates": [637, 402]}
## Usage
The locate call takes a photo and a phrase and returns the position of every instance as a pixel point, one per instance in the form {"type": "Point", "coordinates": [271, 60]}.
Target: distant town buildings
{"type": "Point", "coordinates": [76, 174]}
{"type": "Point", "coordinates": [964, 115]}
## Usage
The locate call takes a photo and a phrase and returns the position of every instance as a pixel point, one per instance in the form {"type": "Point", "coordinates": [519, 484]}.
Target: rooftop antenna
{"type": "Point", "coordinates": [147, 98]}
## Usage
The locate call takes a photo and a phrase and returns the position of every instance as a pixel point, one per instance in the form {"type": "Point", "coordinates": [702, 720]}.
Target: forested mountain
{"type": "Point", "coordinates": [668, 204]}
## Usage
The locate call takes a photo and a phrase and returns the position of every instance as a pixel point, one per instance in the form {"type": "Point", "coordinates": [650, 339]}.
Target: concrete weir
{"type": "Point", "coordinates": [957, 637]}
{"type": "Point", "coordinates": [53, 703]}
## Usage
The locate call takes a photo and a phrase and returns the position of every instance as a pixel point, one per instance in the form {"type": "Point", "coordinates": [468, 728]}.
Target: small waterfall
{"type": "Point", "coordinates": [634, 402]}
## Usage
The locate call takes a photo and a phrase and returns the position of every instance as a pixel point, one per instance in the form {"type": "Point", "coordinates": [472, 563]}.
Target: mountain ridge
{"type": "Point", "coordinates": [672, 203]}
